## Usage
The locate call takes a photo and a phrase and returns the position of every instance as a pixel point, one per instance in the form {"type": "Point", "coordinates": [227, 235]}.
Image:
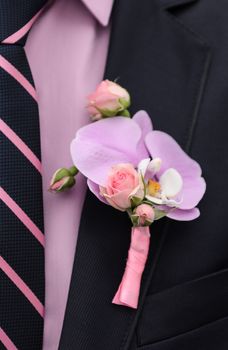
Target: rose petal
{"type": "Point", "coordinates": [117, 90]}
{"type": "Point", "coordinates": [100, 89]}
{"type": "Point", "coordinates": [184, 215]}
{"type": "Point", "coordinates": [92, 110]}
{"type": "Point", "coordinates": [138, 192]}
{"type": "Point", "coordinates": [119, 200]}
{"type": "Point", "coordinates": [107, 101]}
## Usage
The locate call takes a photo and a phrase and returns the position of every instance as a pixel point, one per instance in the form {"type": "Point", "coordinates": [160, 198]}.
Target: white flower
{"type": "Point", "coordinates": [166, 189]}
{"type": "Point", "coordinates": [148, 168]}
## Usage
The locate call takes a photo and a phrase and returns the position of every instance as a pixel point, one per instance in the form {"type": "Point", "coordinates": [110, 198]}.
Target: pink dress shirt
{"type": "Point", "coordinates": [67, 49]}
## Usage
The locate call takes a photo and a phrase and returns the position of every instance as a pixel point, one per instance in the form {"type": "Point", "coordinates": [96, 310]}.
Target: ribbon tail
{"type": "Point", "coordinates": [128, 294]}
{"type": "Point", "coordinates": [117, 298]}
{"type": "Point", "coordinates": [129, 288]}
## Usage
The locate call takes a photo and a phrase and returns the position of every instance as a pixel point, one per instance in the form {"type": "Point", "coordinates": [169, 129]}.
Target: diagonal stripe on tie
{"type": "Point", "coordinates": [12, 39]}
{"type": "Point", "coordinates": [19, 143]}
{"type": "Point", "coordinates": [28, 335]}
{"type": "Point", "coordinates": [22, 216]}
{"type": "Point", "coordinates": [22, 286]}
{"type": "Point", "coordinates": [18, 109]}
{"type": "Point", "coordinates": [16, 74]}
{"type": "Point", "coordinates": [6, 341]}
{"type": "Point", "coordinates": [22, 251]}
{"type": "Point", "coordinates": [17, 169]}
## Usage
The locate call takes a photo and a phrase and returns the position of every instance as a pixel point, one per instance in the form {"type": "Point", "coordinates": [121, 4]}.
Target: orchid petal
{"type": "Point", "coordinates": [148, 168]}
{"type": "Point", "coordinates": [143, 165]}
{"type": "Point", "coordinates": [143, 119]}
{"type": "Point", "coordinates": [144, 122]}
{"type": "Point", "coordinates": [171, 202]}
{"type": "Point", "coordinates": [192, 192]}
{"type": "Point", "coordinates": [153, 167]}
{"type": "Point", "coordinates": [99, 146]}
{"type": "Point", "coordinates": [165, 147]}
{"type": "Point", "coordinates": [95, 189]}
{"type": "Point", "coordinates": [184, 215]}
{"type": "Point", "coordinates": [163, 201]}
{"type": "Point", "coordinates": [155, 200]}
{"type": "Point", "coordinates": [171, 183]}
{"type": "Point", "coordinates": [162, 145]}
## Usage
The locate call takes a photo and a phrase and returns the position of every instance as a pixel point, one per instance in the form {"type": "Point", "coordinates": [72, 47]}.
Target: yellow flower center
{"type": "Point", "coordinates": [153, 187]}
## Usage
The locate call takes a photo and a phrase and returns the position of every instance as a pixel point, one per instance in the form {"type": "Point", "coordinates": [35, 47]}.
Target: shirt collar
{"type": "Point", "coordinates": [100, 9]}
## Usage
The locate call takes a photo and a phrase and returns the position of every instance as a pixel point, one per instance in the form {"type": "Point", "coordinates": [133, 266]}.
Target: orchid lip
{"type": "Point", "coordinates": [170, 181]}
{"type": "Point", "coordinates": [164, 201]}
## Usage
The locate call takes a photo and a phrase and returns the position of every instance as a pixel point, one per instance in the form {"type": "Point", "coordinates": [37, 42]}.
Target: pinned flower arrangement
{"type": "Point", "coordinates": [137, 170]}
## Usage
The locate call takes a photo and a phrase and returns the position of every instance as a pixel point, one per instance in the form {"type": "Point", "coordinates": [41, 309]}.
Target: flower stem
{"type": "Point", "coordinates": [73, 170]}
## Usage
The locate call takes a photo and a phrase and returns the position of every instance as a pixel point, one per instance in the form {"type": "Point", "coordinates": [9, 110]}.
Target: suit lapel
{"type": "Point", "coordinates": [164, 66]}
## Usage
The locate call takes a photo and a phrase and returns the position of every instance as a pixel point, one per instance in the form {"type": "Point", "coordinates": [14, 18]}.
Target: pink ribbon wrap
{"type": "Point", "coordinates": [129, 288]}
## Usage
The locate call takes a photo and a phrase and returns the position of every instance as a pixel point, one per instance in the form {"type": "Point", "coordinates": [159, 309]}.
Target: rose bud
{"type": "Point", "coordinates": [63, 179]}
{"type": "Point", "coordinates": [145, 214]}
{"type": "Point", "coordinates": [109, 100]}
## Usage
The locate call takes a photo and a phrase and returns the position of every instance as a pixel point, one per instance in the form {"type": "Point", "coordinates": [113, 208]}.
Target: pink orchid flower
{"type": "Point", "coordinates": [173, 180]}
{"type": "Point", "coordinates": [99, 146]}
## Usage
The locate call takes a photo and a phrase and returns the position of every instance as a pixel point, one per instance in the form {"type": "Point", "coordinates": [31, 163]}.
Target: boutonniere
{"type": "Point", "coordinates": [135, 169]}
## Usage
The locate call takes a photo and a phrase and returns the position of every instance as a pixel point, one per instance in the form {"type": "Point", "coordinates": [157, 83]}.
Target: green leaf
{"type": "Point", "coordinates": [134, 220]}
{"type": "Point", "coordinates": [135, 201]}
{"type": "Point", "coordinates": [159, 214]}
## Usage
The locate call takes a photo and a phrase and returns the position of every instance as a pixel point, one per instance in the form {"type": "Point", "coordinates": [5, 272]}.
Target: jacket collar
{"type": "Point", "coordinates": [166, 4]}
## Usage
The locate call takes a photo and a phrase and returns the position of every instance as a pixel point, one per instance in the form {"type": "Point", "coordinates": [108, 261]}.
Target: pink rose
{"type": "Point", "coordinates": [145, 214]}
{"type": "Point", "coordinates": [108, 100]}
{"type": "Point", "coordinates": [123, 184]}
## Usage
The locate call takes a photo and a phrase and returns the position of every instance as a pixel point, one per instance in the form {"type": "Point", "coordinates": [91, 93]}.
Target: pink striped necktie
{"type": "Point", "coordinates": [21, 208]}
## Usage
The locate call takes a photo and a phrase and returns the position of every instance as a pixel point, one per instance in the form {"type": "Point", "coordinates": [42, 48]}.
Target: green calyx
{"type": "Point", "coordinates": [63, 179]}
{"type": "Point", "coordinates": [68, 183]}
{"type": "Point", "coordinates": [124, 113]}
{"type": "Point", "coordinates": [121, 109]}
{"type": "Point", "coordinates": [125, 103]}
{"type": "Point", "coordinates": [135, 201]}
